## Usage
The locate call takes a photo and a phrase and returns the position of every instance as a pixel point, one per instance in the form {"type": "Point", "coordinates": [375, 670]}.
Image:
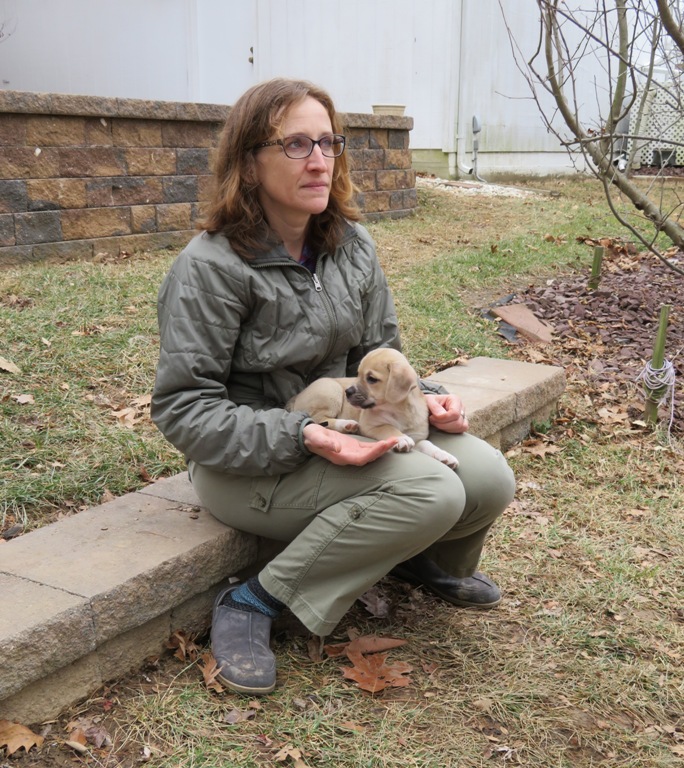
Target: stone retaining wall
{"type": "Point", "coordinates": [82, 176]}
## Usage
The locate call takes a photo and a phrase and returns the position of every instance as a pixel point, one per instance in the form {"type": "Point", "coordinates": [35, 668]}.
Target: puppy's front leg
{"type": "Point", "coordinates": [340, 425]}
{"type": "Point", "coordinates": [383, 431]}
{"type": "Point", "coordinates": [425, 446]}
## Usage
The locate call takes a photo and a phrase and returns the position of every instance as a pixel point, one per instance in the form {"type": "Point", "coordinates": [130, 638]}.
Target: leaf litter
{"type": "Point", "coordinates": [604, 337]}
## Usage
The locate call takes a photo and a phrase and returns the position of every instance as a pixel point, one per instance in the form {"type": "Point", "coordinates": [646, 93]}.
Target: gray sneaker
{"type": "Point", "coordinates": [240, 644]}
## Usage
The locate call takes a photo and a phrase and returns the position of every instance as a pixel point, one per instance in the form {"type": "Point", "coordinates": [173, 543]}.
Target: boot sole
{"type": "Point", "coordinates": [461, 603]}
{"type": "Point", "coordinates": [446, 596]}
{"type": "Point", "coordinates": [246, 689]}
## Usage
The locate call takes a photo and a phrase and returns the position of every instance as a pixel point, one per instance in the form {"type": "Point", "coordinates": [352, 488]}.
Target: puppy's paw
{"type": "Point", "coordinates": [405, 444]}
{"type": "Point", "coordinates": [430, 449]}
{"type": "Point", "coordinates": [446, 458]}
{"type": "Point", "coordinates": [347, 425]}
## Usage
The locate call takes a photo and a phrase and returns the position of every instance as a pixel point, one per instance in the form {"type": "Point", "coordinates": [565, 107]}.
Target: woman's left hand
{"type": "Point", "coordinates": [447, 413]}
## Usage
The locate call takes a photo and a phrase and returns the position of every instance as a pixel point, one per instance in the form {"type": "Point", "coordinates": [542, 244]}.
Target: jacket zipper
{"type": "Point", "coordinates": [327, 303]}
{"type": "Point", "coordinates": [318, 286]}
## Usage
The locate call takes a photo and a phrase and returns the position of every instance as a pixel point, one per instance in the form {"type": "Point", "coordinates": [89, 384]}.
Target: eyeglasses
{"type": "Point", "coordinates": [298, 147]}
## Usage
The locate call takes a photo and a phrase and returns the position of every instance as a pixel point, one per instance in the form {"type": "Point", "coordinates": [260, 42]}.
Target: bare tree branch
{"type": "Point", "coordinates": [617, 37]}
{"type": "Point", "coordinates": [673, 27]}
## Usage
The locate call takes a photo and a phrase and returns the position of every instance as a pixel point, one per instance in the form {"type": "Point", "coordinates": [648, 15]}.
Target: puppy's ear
{"type": "Point", "coordinates": [400, 381]}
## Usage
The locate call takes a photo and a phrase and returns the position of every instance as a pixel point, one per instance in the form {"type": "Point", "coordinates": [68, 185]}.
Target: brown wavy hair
{"type": "Point", "coordinates": [234, 208]}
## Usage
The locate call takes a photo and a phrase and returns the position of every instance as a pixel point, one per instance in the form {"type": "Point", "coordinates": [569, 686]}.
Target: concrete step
{"type": "Point", "coordinates": [89, 598]}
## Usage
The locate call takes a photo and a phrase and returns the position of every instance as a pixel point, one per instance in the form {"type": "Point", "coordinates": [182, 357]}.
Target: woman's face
{"type": "Point", "coordinates": [290, 191]}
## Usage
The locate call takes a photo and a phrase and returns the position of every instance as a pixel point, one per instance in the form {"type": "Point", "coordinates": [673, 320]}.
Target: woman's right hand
{"type": "Point", "coordinates": [342, 449]}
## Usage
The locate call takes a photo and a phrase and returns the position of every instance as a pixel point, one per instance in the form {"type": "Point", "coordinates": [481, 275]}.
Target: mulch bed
{"type": "Point", "coordinates": [604, 337]}
{"type": "Point", "coordinates": [656, 170]}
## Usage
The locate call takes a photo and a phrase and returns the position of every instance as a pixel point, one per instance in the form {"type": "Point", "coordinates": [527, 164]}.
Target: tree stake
{"type": "Point", "coordinates": [655, 395]}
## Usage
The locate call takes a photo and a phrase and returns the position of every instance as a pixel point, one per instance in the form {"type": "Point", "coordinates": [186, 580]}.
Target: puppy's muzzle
{"type": "Point", "coordinates": [358, 398]}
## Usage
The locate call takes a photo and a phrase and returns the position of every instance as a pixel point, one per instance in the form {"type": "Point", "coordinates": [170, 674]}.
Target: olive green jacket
{"type": "Point", "coordinates": [239, 338]}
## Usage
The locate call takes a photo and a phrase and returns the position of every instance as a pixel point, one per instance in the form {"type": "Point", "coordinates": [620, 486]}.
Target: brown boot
{"type": "Point", "coordinates": [476, 591]}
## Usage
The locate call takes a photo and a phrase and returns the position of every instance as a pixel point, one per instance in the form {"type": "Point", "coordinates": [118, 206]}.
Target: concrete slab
{"type": "Point", "coordinates": [177, 488]}
{"type": "Point", "coordinates": [118, 554]}
{"type": "Point", "coordinates": [45, 698]}
{"type": "Point", "coordinates": [488, 412]}
{"type": "Point", "coordinates": [491, 373]}
{"type": "Point", "coordinates": [41, 630]}
{"type": "Point", "coordinates": [534, 386]}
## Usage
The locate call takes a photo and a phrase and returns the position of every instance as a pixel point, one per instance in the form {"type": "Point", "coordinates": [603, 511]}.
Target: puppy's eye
{"type": "Point", "coordinates": [371, 379]}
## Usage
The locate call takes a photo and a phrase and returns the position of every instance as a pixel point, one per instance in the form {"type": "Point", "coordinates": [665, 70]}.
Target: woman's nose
{"type": "Point", "coordinates": [317, 158]}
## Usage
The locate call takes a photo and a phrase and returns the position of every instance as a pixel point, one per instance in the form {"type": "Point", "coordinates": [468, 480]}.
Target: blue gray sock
{"type": "Point", "coordinates": [251, 596]}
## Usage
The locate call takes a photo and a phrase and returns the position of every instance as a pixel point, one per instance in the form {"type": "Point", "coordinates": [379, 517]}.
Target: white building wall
{"type": "Point", "coordinates": [119, 48]}
{"type": "Point", "coordinates": [446, 60]}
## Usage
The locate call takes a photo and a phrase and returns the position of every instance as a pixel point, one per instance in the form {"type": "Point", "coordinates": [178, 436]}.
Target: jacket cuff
{"type": "Point", "coordinates": [432, 388]}
{"type": "Point", "coordinates": [300, 437]}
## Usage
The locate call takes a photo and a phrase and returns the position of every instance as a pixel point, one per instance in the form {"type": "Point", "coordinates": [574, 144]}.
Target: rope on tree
{"type": "Point", "coordinates": [658, 385]}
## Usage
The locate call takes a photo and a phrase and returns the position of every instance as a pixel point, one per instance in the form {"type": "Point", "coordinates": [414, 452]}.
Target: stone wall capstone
{"type": "Point", "coordinates": [82, 176]}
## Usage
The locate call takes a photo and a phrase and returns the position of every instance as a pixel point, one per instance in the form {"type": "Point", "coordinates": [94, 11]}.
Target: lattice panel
{"type": "Point", "coordinates": [663, 119]}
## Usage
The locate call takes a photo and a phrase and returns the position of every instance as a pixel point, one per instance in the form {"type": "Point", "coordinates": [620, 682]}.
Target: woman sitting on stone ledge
{"type": "Point", "coordinates": [281, 288]}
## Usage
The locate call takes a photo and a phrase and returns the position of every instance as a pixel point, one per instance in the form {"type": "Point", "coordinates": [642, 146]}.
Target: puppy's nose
{"type": "Point", "coordinates": [350, 391]}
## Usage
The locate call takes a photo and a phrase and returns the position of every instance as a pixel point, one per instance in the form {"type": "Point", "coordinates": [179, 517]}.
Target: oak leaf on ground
{"type": "Point", "coordinates": [372, 673]}
{"type": "Point", "coordinates": [210, 672]}
{"type": "Point", "coordinates": [184, 645]}
{"type": "Point", "coordinates": [14, 736]}
{"type": "Point", "coordinates": [368, 655]}
{"type": "Point", "coordinates": [288, 751]}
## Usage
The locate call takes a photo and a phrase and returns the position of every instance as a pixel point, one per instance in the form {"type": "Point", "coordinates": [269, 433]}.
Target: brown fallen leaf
{"type": "Point", "coordinates": [14, 736]}
{"type": "Point", "coordinates": [288, 751]}
{"type": "Point", "coordinates": [184, 645]}
{"type": "Point", "coordinates": [143, 401]}
{"type": "Point", "coordinates": [83, 732]}
{"type": "Point", "coordinates": [126, 417]}
{"type": "Point", "coordinates": [7, 365]}
{"type": "Point", "coordinates": [540, 448]}
{"type": "Point", "coordinates": [364, 644]}
{"type": "Point", "coordinates": [24, 399]}
{"type": "Point", "coordinates": [372, 673]}
{"type": "Point", "coordinates": [375, 602]}
{"type": "Point", "coordinates": [314, 648]}
{"type": "Point", "coordinates": [236, 716]}
{"type": "Point", "coordinates": [350, 726]}
{"type": "Point", "coordinates": [210, 672]}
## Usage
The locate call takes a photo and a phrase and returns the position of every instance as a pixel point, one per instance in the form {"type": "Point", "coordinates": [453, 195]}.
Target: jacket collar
{"type": "Point", "coordinates": [279, 255]}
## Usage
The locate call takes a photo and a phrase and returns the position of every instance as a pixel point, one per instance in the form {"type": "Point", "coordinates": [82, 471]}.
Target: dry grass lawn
{"type": "Point", "coordinates": [581, 664]}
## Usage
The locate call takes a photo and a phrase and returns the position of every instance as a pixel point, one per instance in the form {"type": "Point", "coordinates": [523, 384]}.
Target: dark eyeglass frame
{"type": "Point", "coordinates": [337, 139]}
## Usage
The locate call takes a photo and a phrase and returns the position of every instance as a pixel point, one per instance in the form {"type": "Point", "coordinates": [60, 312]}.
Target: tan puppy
{"type": "Point", "coordinates": [385, 400]}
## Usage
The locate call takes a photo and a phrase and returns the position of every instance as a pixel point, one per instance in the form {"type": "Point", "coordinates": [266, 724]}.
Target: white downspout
{"type": "Point", "coordinates": [456, 166]}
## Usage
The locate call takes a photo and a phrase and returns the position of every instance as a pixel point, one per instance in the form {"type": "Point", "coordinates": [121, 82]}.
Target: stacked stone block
{"type": "Point", "coordinates": [380, 160]}
{"type": "Point", "coordinates": [82, 177]}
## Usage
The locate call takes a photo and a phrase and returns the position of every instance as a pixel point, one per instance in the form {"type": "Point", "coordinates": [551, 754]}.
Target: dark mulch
{"type": "Point", "coordinates": [656, 170]}
{"type": "Point", "coordinates": [604, 337]}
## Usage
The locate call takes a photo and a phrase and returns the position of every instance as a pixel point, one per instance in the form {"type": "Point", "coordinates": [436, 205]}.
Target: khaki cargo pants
{"type": "Point", "coordinates": [347, 527]}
